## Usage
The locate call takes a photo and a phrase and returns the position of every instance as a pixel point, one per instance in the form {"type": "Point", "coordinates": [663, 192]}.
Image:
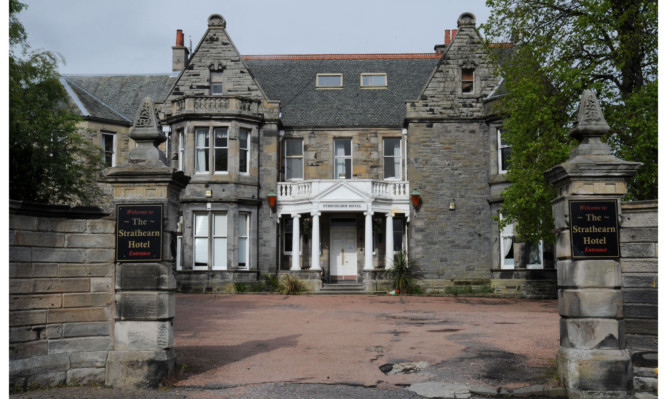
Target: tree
{"type": "Point", "coordinates": [562, 47]}
{"type": "Point", "coordinates": [49, 161]}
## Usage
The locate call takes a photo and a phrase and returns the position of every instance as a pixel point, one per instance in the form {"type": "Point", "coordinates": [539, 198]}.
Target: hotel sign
{"type": "Point", "coordinates": [594, 229]}
{"type": "Point", "coordinates": [138, 233]}
{"type": "Point", "coordinates": [342, 206]}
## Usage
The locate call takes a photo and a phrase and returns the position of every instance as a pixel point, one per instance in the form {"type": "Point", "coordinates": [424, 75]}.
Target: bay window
{"type": "Point", "coordinates": [209, 241]}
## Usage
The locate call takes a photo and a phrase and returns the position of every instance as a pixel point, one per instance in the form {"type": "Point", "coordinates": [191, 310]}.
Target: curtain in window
{"type": "Point", "coordinates": [508, 244]}
{"type": "Point", "coordinates": [392, 158]}
{"type": "Point", "coordinates": [342, 164]}
{"type": "Point", "coordinates": [219, 241]}
{"type": "Point", "coordinates": [201, 145]}
{"type": "Point", "coordinates": [243, 239]}
{"type": "Point", "coordinates": [201, 240]}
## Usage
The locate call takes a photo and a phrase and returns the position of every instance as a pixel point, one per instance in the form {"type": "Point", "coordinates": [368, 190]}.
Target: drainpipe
{"type": "Point", "coordinates": [405, 150]}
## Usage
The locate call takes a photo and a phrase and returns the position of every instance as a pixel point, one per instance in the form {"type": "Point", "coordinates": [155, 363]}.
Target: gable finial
{"type": "Point", "coordinates": [217, 21]}
{"type": "Point", "coordinates": [148, 135]}
{"type": "Point", "coordinates": [590, 120]}
{"type": "Point", "coordinates": [467, 19]}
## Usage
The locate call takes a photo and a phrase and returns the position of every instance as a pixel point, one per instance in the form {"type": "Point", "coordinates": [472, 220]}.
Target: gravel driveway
{"type": "Point", "coordinates": [387, 342]}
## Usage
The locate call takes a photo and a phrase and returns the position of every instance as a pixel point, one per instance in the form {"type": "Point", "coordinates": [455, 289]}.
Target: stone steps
{"type": "Point", "coordinates": [343, 288]}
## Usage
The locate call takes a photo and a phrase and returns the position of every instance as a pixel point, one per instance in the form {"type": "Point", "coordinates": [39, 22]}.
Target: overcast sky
{"type": "Point", "coordinates": [135, 36]}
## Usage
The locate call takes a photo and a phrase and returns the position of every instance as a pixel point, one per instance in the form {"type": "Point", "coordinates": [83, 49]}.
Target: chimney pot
{"type": "Point", "coordinates": [179, 38]}
{"type": "Point", "coordinates": [447, 37]}
{"type": "Point", "coordinates": [454, 33]}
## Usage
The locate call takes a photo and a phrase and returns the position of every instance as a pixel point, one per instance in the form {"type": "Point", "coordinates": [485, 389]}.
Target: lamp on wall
{"type": "Point", "coordinates": [271, 196]}
{"type": "Point", "coordinates": [415, 197]}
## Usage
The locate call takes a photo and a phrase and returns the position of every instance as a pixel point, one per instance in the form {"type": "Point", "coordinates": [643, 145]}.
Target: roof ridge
{"type": "Point", "coordinates": [112, 109]}
{"type": "Point", "coordinates": [342, 56]}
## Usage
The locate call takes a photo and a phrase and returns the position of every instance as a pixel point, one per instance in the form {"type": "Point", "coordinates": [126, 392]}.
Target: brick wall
{"type": "Point", "coordinates": [639, 268]}
{"type": "Point", "coordinates": [61, 285]}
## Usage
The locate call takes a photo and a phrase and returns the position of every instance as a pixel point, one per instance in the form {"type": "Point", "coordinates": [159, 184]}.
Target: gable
{"type": "Point", "coordinates": [216, 53]}
{"type": "Point", "coordinates": [443, 95]}
{"type": "Point", "coordinates": [341, 191]}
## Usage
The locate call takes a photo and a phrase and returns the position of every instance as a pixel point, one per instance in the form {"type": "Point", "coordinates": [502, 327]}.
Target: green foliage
{"type": "Point", "coordinates": [402, 275]}
{"type": "Point", "coordinates": [468, 290]}
{"type": "Point", "coordinates": [49, 161]}
{"type": "Point", "coordinates": [269, 283]}
{"type": "Point", "coordinates": [240, 287]}
{"type": "Point", "coordinates": [560, 49]}
{"type": "Point", "coordinates": [291, 285]}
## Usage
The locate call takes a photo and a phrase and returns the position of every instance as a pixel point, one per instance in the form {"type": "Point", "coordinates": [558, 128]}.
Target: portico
{"type": "Point", "coordinates": [346, 207]}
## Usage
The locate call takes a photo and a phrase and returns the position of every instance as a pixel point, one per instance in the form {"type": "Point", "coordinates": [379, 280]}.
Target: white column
{"type": "Point", "coordinates": [368, 249]}
{"type": "Point", "coordinates": [296, 239]}
{"type": "Point", "coordinates": [389, 242]}
{"type": "Point", "coordinates": [315, 250]}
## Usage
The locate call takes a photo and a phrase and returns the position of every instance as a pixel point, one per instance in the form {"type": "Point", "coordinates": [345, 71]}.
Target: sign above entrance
{"type": "Point", "coordinates": [594, 229]}
{"type": "Point", "coordinates": [342, 206]}
{"type": "Point", "coordinates": [138, 233]}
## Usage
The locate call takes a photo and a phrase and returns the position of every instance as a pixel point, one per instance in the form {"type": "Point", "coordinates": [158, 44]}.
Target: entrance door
{"type": "Point", "coordinates": [343, 260]}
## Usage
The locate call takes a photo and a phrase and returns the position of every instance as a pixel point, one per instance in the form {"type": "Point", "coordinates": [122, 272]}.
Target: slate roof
{"type": "Point", "coordinates": [116, 97]}
{"type": "Point", "coordinates": [291, 79]}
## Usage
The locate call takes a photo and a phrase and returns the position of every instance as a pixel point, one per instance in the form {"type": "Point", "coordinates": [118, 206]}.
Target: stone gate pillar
{"type": "Point", "coordinates": [592, 360]}
{"type": "Point", "coordinates": [146, 195]}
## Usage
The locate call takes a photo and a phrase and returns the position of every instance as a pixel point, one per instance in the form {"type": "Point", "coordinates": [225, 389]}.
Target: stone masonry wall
{"type": "Point", "coordinates": [639, 269]}
{"type": "Point", "coordinates": [61, 274]}
{"type": "Point", "coordinates": [447, 162]}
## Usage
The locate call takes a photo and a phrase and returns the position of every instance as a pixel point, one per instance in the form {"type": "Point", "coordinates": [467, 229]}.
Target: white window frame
{"type": "Point", "coordinates": [507, 232]}
{"type": "Point", "coordinates": [344, 158]}
{"type": "Point", "coordinates": [210, 235]}
{"type": "Point", "coordinates": [181, 149]}
{"type": "Point", "coordinates": [320, 85]}
{"type": "Point", "coordinates": [245, 150]}
{"type": "Point", "coordinates": [501, 147]}
{"type": "Point", "coordinates": [386, 157]}
{"type": "Point", "coordinates": [216, 83]}
{"type": "Point", "coordinates": [104, 134]}
{"type": "Point", "coordinates": [210, 147]}
{"type": "Point", "coordinates": [206, 148]}
{"type": "Point", "coordinates": [216, 148]}
{"type": "Point", "coordinates": [369, 84]}
{"type": "Point", "coordinates": [179, 252]}
{"type": "Point", "coordinates": [300, 156]}
{"type": "Point", "coordinates": [244, 239]}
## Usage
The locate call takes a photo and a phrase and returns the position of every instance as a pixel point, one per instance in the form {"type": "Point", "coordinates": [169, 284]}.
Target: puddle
{"type": "Point", "coordinates": [403, 368]}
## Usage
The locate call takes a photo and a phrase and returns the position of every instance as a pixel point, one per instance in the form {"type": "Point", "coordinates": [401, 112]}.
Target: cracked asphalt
{"type": "Point", "coordinates": [265, 346]}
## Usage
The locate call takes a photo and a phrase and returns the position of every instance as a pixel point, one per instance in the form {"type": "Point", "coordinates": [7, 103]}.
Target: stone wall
{"type": "Point", "coordinates": [447, 162]}
{"type": "Point", "coordinates": [61, 301]}
{"type": "Point", "coordinates": [639, 269]}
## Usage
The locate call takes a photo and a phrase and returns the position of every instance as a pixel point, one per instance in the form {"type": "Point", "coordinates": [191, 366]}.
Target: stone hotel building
{"type": "Point", "coordinates": [327, 165]}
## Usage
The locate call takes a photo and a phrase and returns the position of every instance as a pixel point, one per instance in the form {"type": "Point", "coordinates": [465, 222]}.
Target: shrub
{"type": "Point", "coordinates": [402, 275]}
{"type": "Point", "coordinates": [291, 285]}
{"type": "Point", "coordinates": [268, 284]}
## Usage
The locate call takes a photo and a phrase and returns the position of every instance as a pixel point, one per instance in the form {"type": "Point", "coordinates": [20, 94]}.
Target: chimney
{"type": "Point", "coordinates": [449, 36]}
{"type": "Point", "coordinates": [180, 53]}
{"type": "Point", "coordinates": [179, 38]}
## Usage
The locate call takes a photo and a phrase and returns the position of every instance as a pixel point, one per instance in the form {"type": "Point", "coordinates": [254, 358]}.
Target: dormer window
{"type": "Point", "coordinates": [329, 80]}
{"type": "Point", "coordinates": [373, 80]}
{"type": "Point", "coordinates": [216, 83]}
{"type": "Point", "coordinates": [467, 80]}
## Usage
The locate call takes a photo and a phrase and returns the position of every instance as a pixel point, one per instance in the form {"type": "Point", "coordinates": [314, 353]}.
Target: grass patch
{"type": "Point", "coordinates": [468, 290]}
